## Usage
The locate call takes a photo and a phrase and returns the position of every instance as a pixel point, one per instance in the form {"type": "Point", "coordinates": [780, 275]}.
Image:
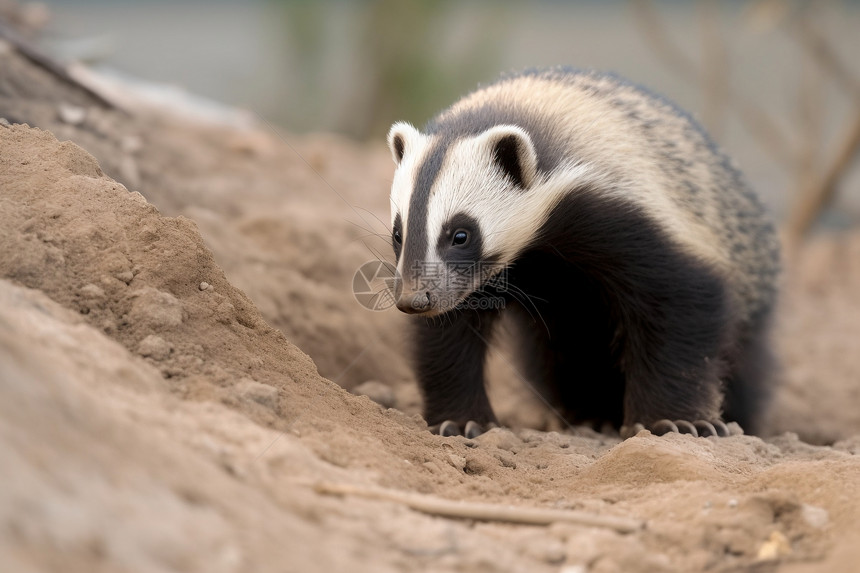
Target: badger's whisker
{"type": "Point", "coordinates": [516, 292]}
{"type": "Point", "coordinates": [385, 236]}
{"type": "Point", "coordinates": [374, 215]}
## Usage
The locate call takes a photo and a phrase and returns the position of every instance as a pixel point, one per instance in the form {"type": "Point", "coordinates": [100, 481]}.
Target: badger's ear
{"type": "Point", "coordinates": [400, 136]}
{"type": "Point", "coordinates": [513, 152]}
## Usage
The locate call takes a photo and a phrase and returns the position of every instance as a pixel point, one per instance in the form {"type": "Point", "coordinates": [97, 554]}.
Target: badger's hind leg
{"type": "Point", "coordinates": [746, 370]}
{"type": "Point", "coordinates": [674, 383]}
{"type": "Point", "coordinates": [676, 327]}
{"type": "Point", "coordinates": [748, 386]}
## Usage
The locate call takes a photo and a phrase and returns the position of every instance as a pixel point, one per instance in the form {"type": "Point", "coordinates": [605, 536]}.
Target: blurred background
{"type": "Point", "coordinates": [776, 82]}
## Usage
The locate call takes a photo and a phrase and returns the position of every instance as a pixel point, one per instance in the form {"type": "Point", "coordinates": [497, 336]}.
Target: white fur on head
{"type": "Point", "coordinates": [509, 209]}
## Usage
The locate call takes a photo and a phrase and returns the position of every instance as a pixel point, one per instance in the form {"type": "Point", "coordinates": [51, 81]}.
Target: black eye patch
{"type": "Point", "coordinates": [460, 240]}
{"type": "Point", "coordinates": [397, 236]}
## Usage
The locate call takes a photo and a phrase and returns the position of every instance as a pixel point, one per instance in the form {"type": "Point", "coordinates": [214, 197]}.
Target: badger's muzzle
{"type": "Point", "coordinates": [414, 303]}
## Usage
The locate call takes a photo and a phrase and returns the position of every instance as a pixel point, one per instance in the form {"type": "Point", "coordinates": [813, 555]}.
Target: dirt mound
{"type": "Point", "coordinates": [143, 279]}
{"type": "Point", "coordinates": [152, 420]}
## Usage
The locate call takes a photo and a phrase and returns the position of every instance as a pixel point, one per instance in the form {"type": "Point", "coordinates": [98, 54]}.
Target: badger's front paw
{"type": "Point", "coordinates": [699, 428]}
{"type": "Point", "coordinates": [471, 429]}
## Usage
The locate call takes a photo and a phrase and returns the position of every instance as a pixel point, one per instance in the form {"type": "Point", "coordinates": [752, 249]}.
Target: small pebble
{"type": "Point", "coordinates": [380, 393]}
{"type": "Point", "coordinates": [5, 122]}
{"type": "Point", "coordinates": [155, 309]}
{"type": "Point", "coordinates": [92, 291]}
{"type": "Point", "coordinates": [154, 347]}
{"type": "Point", "coordinates": [501, 438]}
{"type": "Point", "coordinates": [432, 466]}
{"type": "Point", "coordinates": [71, 114]}
{"type": "Point", "coordinates": [733, 503]}
{"type": "Point", "coordinates": [458, 462]}
{"type": "Point", "coordinates": [262, 394]}
{"type": "Point", "coordinates": [125, 276]}
{"type": "Point", "coordinates": [815, 516]}
{"type": "Point", "coordinates": [130, 143]}
{"type": "Point", "coordinates": [775, 547]}
{"type": "Point", "coordinates": [204, 285]}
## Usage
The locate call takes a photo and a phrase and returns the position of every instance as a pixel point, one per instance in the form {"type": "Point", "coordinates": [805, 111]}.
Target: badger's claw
{"type": "Point", "coordinates": [699, 428]}
{"type": "Point", "coordinates": [663, 426]}
{"type": "Point", "coordinates": [451, 428]}
{"type": "Point", "coordinates": [715, 428]}
{"type": "Point", "coordinates": [473, 429]}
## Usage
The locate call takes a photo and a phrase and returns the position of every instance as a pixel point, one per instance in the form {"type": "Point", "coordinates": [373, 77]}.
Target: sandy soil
{"type": "Point", "coordinates": [175, 310]}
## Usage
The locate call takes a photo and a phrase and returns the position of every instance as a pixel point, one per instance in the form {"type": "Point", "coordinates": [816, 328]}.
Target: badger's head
{"type": "Point", "coordinates": [460, 211]}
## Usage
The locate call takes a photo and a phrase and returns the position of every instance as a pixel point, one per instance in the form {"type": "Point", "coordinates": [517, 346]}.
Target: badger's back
{"type": "Point", "coordinates": [648, 152]}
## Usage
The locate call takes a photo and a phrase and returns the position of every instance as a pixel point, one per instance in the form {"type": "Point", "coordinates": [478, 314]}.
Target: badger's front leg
{"type": "Point", "coordinates": [448, 354]}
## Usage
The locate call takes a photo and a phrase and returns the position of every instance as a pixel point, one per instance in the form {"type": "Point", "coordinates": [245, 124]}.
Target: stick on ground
{"type": "Point", "coordinates": [484, 511]}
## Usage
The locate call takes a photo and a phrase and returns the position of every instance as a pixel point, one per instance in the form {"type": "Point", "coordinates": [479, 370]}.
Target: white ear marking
{"type": "Point", "coordinates": [513, 151]}
{"type": "Point", "coordinates": [400, 136]}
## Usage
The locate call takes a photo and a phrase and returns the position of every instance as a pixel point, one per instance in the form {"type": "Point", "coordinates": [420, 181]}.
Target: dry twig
{"type": "Point", "coordinates": [484, 511]}
{"type": "Point", "coordinates": [823, 53]}
{"type": "Point", "coordinates": [820, 191]}
{"type": "Point", "coordinates": [817, 176]}
{"type": "Point", "coordinates": [754, 118]}
{"type": "Point", "coordinates": [26, 48]}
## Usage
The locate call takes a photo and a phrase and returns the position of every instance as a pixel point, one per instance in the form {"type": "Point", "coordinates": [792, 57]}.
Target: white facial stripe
{"type": "Point", "coordinates": [403, 184]}
{"type": "Point", "coordinates": [467, 182]}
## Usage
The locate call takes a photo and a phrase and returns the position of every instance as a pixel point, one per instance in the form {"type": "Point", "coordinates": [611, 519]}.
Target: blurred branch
{"type": "Point", "coordinates": [759, 123]}
{"type": "Point", "coordinates": [818, 186]}
{"type": "Point", "coordinates": [812, 199]}
{"type": "Point", "coordinates": [715, 74]}
{"type": "Point", "coordinates": [817, 176]}
{"type": "Point", "coordinates": [655, 33]}
{"type": "Point", "coordinates": [810, 121]}
{"type": "Point", "coordinates": [482, 511]}
{"type": "Point", "coordinates": [823, 53]}
{"type": "Point", "coordinates": [27, 48]}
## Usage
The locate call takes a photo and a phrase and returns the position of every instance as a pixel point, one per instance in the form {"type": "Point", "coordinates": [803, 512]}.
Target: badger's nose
{"type": "Point", "coordinates": [414, 303]}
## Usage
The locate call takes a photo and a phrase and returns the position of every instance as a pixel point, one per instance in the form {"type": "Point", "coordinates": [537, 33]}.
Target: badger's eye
{"type": "Point", "coordinates": [461, 237]}
{"type": "Point", "coordinates": [397, 237]}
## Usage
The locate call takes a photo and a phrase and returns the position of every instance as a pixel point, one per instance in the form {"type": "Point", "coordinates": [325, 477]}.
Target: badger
{"type": "Point", "coordinates": [639, 269]}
